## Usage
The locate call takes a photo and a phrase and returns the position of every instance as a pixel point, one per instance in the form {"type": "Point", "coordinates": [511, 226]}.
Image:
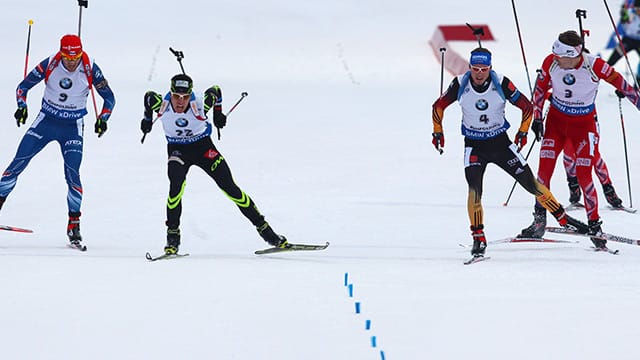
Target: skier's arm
{"type": "Point", "coordinates": [542, 86]}
{"type": "Point", "coordinates": [102, 86]}
{"type": "Point", "coordinates": [610, 75]}
{"type": "Point", "coordinates": [446, 99]}
{"type": "Point", "coordinates": [34, 77]}
{"type": "Point", "coordinates": [520, 101]}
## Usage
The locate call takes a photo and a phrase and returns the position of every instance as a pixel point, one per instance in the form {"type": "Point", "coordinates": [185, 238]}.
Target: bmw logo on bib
{"type": "Point", "coordinates": [182, 122]}
{"type": "Point", "coordinates": [569, 79]}
{"type": "Point", "coordinates": [482, 104]}
{"type": "Point", "coordinates": [66, 83]}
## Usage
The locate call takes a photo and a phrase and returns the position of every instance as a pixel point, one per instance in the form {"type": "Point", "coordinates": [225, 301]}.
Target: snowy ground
{"type": "Point", "coordinates": [333, 143]}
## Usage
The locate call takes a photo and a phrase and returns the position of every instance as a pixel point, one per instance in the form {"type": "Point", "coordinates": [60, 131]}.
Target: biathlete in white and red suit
{"type": "Point", "coordinates": [573, 76]}
{"type": "Point", "coordinates": [69, 76]}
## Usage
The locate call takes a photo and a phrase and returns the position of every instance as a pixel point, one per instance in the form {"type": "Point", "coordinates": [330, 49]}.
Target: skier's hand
{"type": "Point", "coordinates": [538, 128]}
{"type": "Point", "coordinates": [219, 119]}
{"type": "Point", "coordinates": [624, 15]}
{"type": "Point", "coordinates": [21, 115]}
{"type": "Point", "coordinates": [212, 96]}
{"type": "Point", "coordinates": [152, 101]}
{"type": "Point", "coordinates": [146, 125]}
{"type": "Point", "coordinates": [100, 126]}
{"type": "Point", "coordinates": [438, 141]}
{"type": "Point", "coordinates": [521, 139]}
{"type": "Point", "coordinates": [620, 94]}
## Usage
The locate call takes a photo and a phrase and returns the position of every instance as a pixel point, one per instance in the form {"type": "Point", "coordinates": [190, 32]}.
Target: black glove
{"type": "Point", "coordinates": [620, 94]}
{"type": "Point", "coordinates": [219, 119]}
{"type": "Point", "coordinates": [146, 125]}
{"type": "Point", "coordinates": [151, 100]}
{"type": "Point", "coordinates": [438, 140]}
{"type": "Point", "coordinates": [211, 96]}
{"type": "Point", "coordinates": [100, 127]}
{"type": "Point", "coordinates": [21, 116]}
{"type": "Point", "coordinates": [624, 15]}
{"type": "Point", "coordinates": [538, 128]}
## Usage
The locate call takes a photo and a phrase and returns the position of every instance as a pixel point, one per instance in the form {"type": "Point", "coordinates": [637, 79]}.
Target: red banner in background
{"type": "Point", "coordinates": [453, 62]}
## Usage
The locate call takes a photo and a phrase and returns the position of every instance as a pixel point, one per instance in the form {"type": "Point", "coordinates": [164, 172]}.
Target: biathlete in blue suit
{"type": "Point", "coordinates": [69, 76]}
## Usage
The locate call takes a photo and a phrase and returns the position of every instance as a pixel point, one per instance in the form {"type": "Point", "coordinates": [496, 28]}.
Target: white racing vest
{"type": "Point", "coordinates": [184, 128]}
{"type": "Point", "coordinates": [65, 95]}
{"type": "Point", "coordinates": [482, 113]}
{"type": "Point", "coordinates": [574, 90]}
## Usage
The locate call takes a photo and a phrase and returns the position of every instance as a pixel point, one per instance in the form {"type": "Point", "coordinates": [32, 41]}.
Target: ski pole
{"type": "Point", "coordinates": [145, 134]}
{"type": "Point", "coordinates": [524, 57]}
{"type": "Point", "coordinates": [516, 182]}
{"type": "Point", "coordinates": [626, 156]}
{"type": "Point", "coordinates": [179, 56]}
{"type": "Point", "coordinates": [81, 4]}
{"type": "Point", "coordinates": [620, 44]}
{"type": "Point", "coordinates": [442, 50]}
{"type": "Point", "coordinates": [533, 143]}
{"type": "Point", "coordinates": [581, 14]}
{"type": "Point", "coordinates": [242, 96]}
{"type": "Point", "coordinates": [87, 67]}
{"type": "Point", "coordinates": [477, 32]}
{"type": "Point", "coordinates": [26, 57]}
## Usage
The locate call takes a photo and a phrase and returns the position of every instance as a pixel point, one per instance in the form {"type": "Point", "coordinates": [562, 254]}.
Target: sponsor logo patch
{"type": "Point", "coordinates": [548, 143]}
{"type": "Point", "coordinates": [211, 154]}
{"type": "Point", "coordinates": [583, 162]}
{"type": "Point", "coordinates": [547, 154]}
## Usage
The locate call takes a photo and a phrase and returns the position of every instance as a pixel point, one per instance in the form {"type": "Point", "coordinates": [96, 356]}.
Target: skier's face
{"type": "Point", "coordinates": [180, 102]}
{"type": "Point", "coordinates": [479, 73]}
{"type": "Point", "coordinates": [70, 64]}
{"type": "Point", "coordinates": [567, 62]}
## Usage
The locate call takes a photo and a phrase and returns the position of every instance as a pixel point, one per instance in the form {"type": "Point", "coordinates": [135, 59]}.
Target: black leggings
{"type": "Point", "coordinates": [204, 155]}
{"type": "Point", "coordinates": [502, 152]}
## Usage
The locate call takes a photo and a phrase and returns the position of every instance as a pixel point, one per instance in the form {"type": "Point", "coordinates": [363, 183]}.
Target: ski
{"type": "Point", "coordinates": [80, 247]}
{"type": "Point", "coordinates": [16, 229]}
{"type": "Point", "coordinates": [623, 208]}
{"type": "Point", "coordinates": [292, 247]}
{"type": "Point", "coordinates": [603, 236]}
{"type": "Point", "coordinates": [610, 251]}
{"type": "Point", "coordinates": [477, 259]}
{"type": "Point", "coordinates": [164, 256]}
{"type": "Point", "coordinates": [515, 239]}
{"type": "Point", "coordinates": [574, 206]}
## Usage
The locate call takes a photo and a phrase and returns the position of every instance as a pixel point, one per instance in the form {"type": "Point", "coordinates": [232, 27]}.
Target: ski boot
{"type": "Point", "coordinates": [479, 241]}
{"type": "Point", "coordinates": [574, 190]}
{"type": "Point", "coordinates": [536, 229]}
{"type": "Point", "coordinates": [2, 199]}
{"type": "Point", "coordinates": [595, 231]}
{"type": "Point", "coordinates": [73, 230]}
{"type": "Point", "coordinates": [173, 241]}
{"type": "Point", "coordinates": [611, 196]}
{"type": "Point", "coordinates": [267, 233]}
{"type": "Point", "coordinates": [574, 224]}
